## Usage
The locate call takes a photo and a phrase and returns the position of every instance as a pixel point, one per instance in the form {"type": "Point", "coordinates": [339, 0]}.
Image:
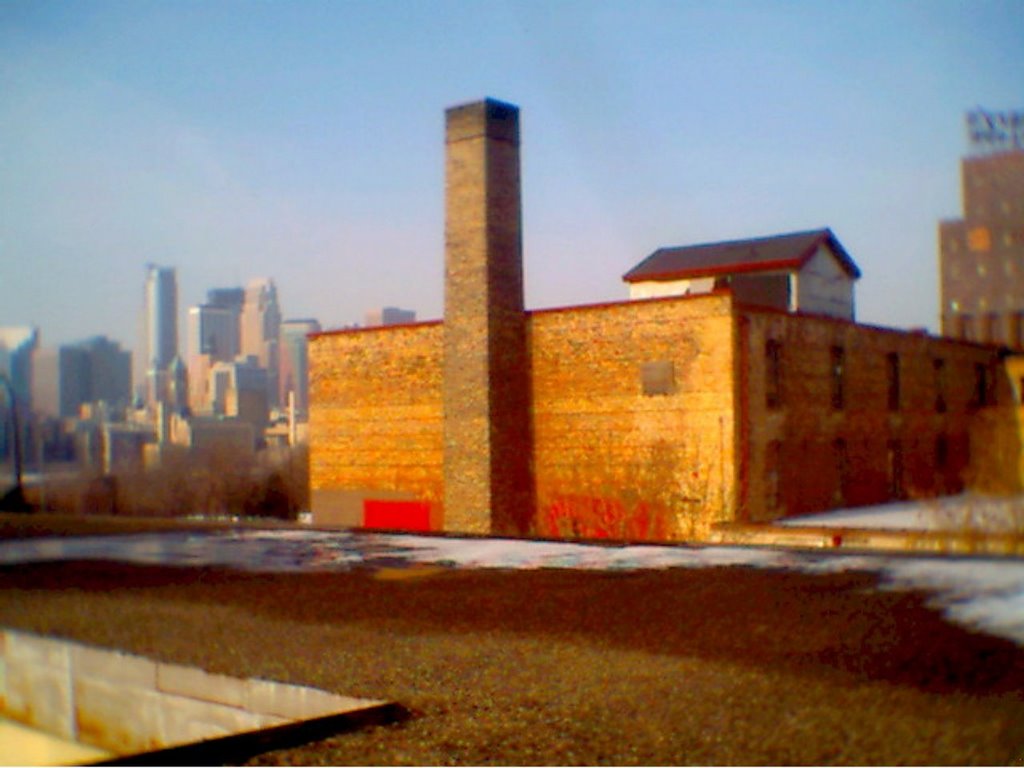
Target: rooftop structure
{"type": "Point", "coordinates": [807, 272]}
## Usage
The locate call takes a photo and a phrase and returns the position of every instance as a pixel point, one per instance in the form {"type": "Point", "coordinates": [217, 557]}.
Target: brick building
{"type": "Point", "coordinates": [643, 419]}
{"type": "Point", "coordinates": [982, 254]}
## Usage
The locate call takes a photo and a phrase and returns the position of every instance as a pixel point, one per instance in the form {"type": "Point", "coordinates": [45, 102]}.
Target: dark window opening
{"type": "Point", "coordinates": [773, 467]}
{"type": "Point", "coordinates": [941, 453]}
{"type": "Point", "coordinates": [939, 369]}
{"type": "Point", "coordinates": [892, 367]}
{"type": "Point", "coordinates": [894, 465]}
{"type": "Point", "coordinates": [838, 363]}
{"type": "Point", "coordinates": [773, 374]}
{"type": "Point", "coordinates": [841, 458]}
{"type": "Point", "coordinates": [981, 386]}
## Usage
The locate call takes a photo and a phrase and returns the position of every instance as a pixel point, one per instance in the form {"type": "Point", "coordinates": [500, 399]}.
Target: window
{"type": "Point", "coordinates": [838, 363]}
{"type": "Point", "coordinates": [894, 465]}
{"type": "Point", "coordinates": [982, 394]}
{"type": "Point", "coordinates": [773, 374]}
{"type": "Point", "coordinates": [772, 470]}
{"type": "Point", "coordinates": [841, 458]}
{"type": "Point", "coordinates": [941, 453]}
{"type": "Point", "coordinates": [939, 371]}
{"type": "Point", "coordinates": [892, 370]}
{"type": "Point", "coordinates": [658, 378]}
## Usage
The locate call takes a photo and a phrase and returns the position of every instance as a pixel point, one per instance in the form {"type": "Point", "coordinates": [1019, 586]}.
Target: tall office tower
{"type": "Point", "coordinates": [261, 329]}
{"type": "Point", "coordinates": [17, 345]}
{"type": "Point", "coordinates": [177, 386]}
{"type": "Point", "coordinates": [389, 316]}
{"type": "Point", "coordinates": [981, 256]}
{"type": "Point", "coordinates": [295, 363]}
{"type": "Point", "coordinates": [212, 331]}
{"type": "Point", "coordinates": [96, 370]}
{"type": "Point", "coordinates": [109, 371]}
{"type": "Point", "coordinates": [231, 299]}
{"type": "Point", "coordinates": [239, 390]}
{"type": "Point", "coordinates": [161, 329]}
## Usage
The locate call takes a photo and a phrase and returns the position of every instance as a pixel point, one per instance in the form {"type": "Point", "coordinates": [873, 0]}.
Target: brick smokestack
{"type": "Point", "coordinates": [488, 451]}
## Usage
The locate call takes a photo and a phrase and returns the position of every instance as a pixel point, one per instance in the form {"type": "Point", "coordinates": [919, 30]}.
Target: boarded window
{"type": "Point", "coordinates": [841, 458]}
{"type": "Point", "coordinates": [773, 374]}
{"type": "Point", "coordinates": [939, 375]}
{"type": "Point", "coordinates": [892, 371]}
{"type": "Point", "coordinates": [838, 364]}
{"type": "Point", "coordinates": [982, 387]}
{"type": "Point", "coordinates": [658, 378]}
{"type": "Point", "coordinates": [941, 453]}
{"type": "Point", "coordinates": [894, 466]}
{"type": "Point", "coordinates": [772, 470]}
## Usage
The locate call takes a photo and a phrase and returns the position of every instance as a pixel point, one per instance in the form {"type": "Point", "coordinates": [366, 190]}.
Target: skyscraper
{"type": "Point", "coordinates": [295, 363]}
{"type": "Point", "coordinates": [161, 328]}
{"type": "Point", "coordinates": [982, 254]}
{"type": "Point", "coordinates": [90, 371]}
{"type": "Point", "coordinates": [212, 331]}
{"type": "Point", "coordinates": [261, 328]}
{"type": "Point", "coordinates": [17, 345]}
{"type": "Point", "coordinates": [389, 316]}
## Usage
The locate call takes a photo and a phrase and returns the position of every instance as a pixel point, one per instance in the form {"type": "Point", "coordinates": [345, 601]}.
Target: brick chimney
{"type": "Point", "coordinates": [488, 447]}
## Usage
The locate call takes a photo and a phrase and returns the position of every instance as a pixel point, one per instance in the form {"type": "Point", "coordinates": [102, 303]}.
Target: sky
{"type": "Point", "coordinates": [304, 141]}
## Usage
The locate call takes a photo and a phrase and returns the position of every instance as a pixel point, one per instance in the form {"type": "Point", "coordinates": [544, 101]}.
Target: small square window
{"type": "Point", "coordinates": [658, 378]}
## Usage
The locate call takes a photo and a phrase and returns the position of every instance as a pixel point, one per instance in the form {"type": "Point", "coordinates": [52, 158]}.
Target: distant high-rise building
{"type": "Point", "coordinates": [161, 328]}
{"type": "Point", "coordinates": [239, 389]}
{"type": "Point", "coordinates": [261, 328]}
{"type": "Point", "coordinates": [982, 254]}
{"type": "Point", "coordinates": [389, 316]}
{"type": "Point", "coordinates": [213, 331]}
{"type": "Point", "coordinates": [96, 370]}
{"type": "Point", "coordinates": [61, 382]}
{"type": "Point", "coordinates": [177, 383]}
{"type": "Point", "coordinates": [17, 345]}
{"type": "Point", "coordinates": [226, 298]}
{"type": "Point", "coordinates": [295, 362]}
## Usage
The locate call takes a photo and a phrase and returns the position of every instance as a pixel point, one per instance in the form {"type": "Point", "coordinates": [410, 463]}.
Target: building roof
{"type": "Point", "coordinates": [760, 254]}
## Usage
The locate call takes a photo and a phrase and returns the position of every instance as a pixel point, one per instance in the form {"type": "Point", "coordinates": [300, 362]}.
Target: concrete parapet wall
{"type": "Point", "coordinates": [129, 704]}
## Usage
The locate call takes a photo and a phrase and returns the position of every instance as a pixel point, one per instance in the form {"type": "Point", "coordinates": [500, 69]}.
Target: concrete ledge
{"type": "Point", "coordinates": [824, 537]}
{"type": "Point", "coordinates": [132, 706]}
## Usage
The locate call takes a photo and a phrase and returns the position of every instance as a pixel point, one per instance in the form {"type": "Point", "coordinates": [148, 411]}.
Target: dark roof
{"type": "Point", "coordinates": [759, 254]}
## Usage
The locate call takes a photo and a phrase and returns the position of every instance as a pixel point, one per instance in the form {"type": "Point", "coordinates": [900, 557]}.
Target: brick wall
{"type": "Point", "coordinates": [651, 418]}
{"type": "Point", "coordinates": [612, 461]}
{"type": "Point", "coordinates": [807, 455]}
{"type": "Point", "coordinates": [375, 422]}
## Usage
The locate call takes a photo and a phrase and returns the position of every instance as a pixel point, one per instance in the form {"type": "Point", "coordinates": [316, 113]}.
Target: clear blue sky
{"type": "Point", "coordinates": [304, 141]}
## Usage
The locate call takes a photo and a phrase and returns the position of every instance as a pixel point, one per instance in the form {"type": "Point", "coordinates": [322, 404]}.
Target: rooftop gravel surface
{"type": "Point", "coordinates": [728, 665]}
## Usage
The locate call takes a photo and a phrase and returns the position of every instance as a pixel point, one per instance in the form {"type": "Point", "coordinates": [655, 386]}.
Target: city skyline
{"type": "Point", "coordinates": [298, 144]}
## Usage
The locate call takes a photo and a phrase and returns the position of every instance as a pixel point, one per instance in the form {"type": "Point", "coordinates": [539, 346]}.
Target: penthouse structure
{"type": "Point", "coordinates": [734, 386]}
